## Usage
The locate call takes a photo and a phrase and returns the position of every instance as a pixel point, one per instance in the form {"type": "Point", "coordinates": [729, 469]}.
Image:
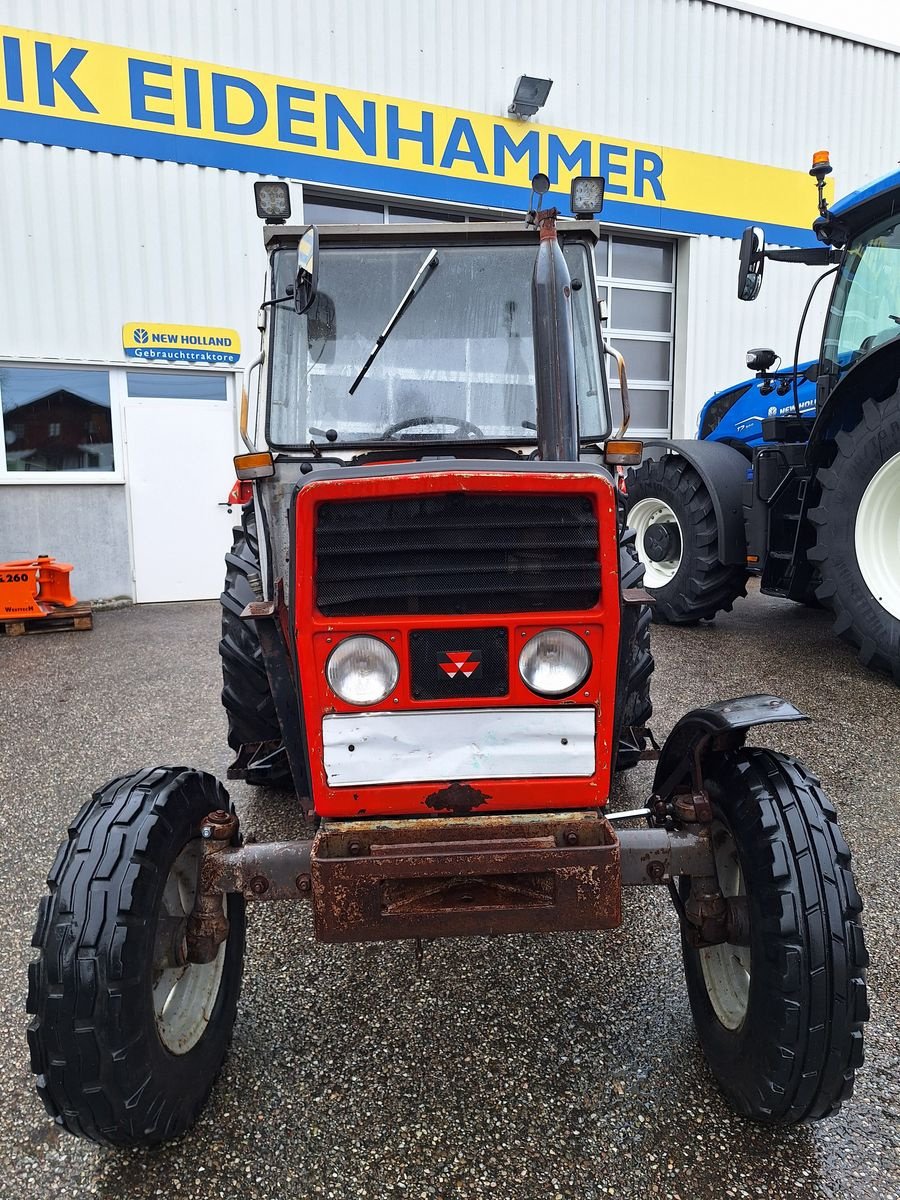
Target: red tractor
{"type": "Point", "coordinates": [435, 631]}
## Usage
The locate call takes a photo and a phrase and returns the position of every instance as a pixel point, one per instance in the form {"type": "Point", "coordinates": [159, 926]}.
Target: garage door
{"type": "Point", "coordinates": [636, 277]}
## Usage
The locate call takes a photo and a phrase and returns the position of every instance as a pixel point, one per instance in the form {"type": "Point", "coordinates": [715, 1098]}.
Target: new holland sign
{"type": "Point", "coordinates": [71, 92]}
{"type": "Point", "coordinates": [180, 343]}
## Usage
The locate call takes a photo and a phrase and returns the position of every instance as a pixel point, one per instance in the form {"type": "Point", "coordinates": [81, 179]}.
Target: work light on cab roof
{"type": "Point", "coordinates": [273, 201]}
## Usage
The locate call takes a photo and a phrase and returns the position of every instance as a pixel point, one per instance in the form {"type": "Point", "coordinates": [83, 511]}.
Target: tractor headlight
{"type": "Point", "coordinates": [554, 662]}
{"type": "Point", "coordinates": [362, 670]}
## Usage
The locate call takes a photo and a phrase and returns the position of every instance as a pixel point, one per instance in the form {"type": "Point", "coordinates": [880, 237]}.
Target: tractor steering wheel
{"type": "Point", "coordinates": [411, 422]}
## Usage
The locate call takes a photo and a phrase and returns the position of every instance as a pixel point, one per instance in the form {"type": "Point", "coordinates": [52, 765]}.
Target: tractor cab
{"type": "Point", "coordinates": [864, 314]}
{"type": "Point", "coordinates": [454, 373]}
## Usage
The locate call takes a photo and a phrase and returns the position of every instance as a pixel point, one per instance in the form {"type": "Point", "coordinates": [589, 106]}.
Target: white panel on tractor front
{"type": "Point", "coordinates": [475, 743]}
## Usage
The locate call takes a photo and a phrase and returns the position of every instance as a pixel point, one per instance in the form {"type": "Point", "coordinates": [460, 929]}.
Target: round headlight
{"type": "Point", "coordinates": [554, 662]}
{"type": "Point", "coordinates": [362, 670]}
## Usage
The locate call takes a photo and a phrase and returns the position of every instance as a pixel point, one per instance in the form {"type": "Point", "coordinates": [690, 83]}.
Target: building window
{"type": "Point", "coordinates": [56, 419]}
{"type": "Point", "coordinates": [175, 385]}
{"type": "Point", "coordinates": [326, 209]}
{"type": "Point", "coordinates": [636, 277]}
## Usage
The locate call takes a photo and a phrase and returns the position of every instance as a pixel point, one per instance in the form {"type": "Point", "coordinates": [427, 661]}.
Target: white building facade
{"type": "Point", "coordinates": [131, 259]}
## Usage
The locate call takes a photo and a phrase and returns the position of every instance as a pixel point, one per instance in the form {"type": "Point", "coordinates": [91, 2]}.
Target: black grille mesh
{"type": "Point", "coordinates": [456, 553]}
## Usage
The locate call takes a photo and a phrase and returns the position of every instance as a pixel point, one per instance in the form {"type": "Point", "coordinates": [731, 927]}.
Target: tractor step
{"type": "Point", "coordinates": [63, 620]}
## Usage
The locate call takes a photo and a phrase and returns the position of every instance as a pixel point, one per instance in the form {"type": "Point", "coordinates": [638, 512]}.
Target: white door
{"type": "Point", "coordinates": [180, 471]}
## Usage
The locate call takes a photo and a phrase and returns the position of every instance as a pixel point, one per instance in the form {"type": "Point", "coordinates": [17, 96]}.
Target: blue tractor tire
{"type": "Point", "coordinates": [672, 513]}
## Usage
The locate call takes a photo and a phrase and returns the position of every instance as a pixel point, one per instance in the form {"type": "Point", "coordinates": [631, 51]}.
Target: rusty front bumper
{"type": "Point", "coordinates": [535, 873]}
{"type": "Point", "coordinates": [427, 877]}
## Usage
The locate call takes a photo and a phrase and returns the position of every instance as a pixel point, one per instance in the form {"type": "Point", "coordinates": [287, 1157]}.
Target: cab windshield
{"type": "Point", "coordinates": [458, 365]}
{"type": "Point", "coordinates": [865, 307]}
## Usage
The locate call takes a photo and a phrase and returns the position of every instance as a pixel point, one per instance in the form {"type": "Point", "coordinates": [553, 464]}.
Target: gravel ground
{"type": "Point", "coordinates": [521, 1068]}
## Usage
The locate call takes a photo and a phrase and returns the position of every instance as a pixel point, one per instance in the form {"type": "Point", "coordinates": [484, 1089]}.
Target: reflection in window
{"type": "Point", "coordinates": [341, 212]}
{"type": "Point", "coordinates": [56, 419]}
{"type": "Point", "coordinates": [636, 259]}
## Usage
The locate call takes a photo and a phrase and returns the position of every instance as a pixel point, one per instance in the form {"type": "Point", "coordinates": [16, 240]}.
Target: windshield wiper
{"type": "Point", "coordinates": [431, 261]}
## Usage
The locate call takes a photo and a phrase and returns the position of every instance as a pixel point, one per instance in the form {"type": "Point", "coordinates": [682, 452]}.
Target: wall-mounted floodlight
{"type": "Point", "coordinates": [586, 196]}
{"type": "Point", "coordinates": [531, 94]}
{"type": "Point", "coordinates": [273, 201]}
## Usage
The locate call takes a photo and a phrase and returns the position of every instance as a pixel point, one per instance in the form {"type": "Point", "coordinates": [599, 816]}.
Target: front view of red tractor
{"type": "Point", "coordinates": [434, 630]}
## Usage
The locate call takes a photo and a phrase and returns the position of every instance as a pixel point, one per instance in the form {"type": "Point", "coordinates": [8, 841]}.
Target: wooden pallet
{"type": "Point", "coordinates": [80, 616]}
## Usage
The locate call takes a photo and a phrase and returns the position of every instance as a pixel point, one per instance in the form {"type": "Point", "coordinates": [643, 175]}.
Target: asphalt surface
{"type": "Point", "coordinates": [522, 1068]}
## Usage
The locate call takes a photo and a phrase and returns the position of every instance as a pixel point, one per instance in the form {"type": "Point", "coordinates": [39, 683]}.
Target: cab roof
{"type": "Point", "coordinates": [874, 200]}
{"type": "Point", "coordinates": [445, 232]}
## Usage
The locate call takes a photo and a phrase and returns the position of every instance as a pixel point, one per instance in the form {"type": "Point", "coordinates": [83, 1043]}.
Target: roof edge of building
{"type": "Point", "coordinates": [770, 14]}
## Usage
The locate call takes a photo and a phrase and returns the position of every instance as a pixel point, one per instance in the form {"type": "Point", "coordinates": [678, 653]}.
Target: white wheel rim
{"type": "Point", "coordinates": [645, 514]}
{"type": "Point", "coordinates": [878, 536]}
{"type": "Point", "coordinates": [726, 968]}
{"type": "Point", "coordinates": [184, 993]}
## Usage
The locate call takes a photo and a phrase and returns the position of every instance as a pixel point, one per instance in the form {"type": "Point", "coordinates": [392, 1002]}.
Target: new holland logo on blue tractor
{"type": "Point", "coordinates": [796, 473]}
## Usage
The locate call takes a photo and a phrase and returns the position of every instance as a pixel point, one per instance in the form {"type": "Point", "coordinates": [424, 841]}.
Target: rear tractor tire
{"type": "Point", "coordinates": [780, 1016]}
{"type": "Point", "coordinates": [128, 1035]}
{"type": "Point", "coordinates": [254, 732]}
{"type": "Point", "coordinates": [677, 540]}
{"type": "Point", "coordinates": [246, 694]}
{"type": "Point", "coordinates": [857, 550]}
{"type": "Point", "coordinates": [634, 707]}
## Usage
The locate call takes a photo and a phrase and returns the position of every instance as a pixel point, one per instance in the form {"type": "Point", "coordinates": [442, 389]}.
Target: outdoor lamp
{"type": "Point", "coordinates": [531, 94]}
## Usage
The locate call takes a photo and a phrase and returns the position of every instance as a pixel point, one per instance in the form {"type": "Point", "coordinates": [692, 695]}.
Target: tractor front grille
{"type": "Point", "coordinates": [456, 552]}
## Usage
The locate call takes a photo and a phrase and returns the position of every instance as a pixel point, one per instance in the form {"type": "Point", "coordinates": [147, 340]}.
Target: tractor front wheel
{"type": "Point", "coordinates": [780, 1015]}
{"type": "Point", "coordinates": [671, 512]}
{"type": "Point", "coordinates": [128, 1034]}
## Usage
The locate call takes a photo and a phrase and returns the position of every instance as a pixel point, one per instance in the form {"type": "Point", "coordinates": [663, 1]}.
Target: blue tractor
{"type": "Point", "coordinates": [795, 475]}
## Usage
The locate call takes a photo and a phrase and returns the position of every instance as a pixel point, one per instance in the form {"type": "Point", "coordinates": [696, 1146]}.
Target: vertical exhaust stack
{"type": "Point", "coordinates": [554, 347]}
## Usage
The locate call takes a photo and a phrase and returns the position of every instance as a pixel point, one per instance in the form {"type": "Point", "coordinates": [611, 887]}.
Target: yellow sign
{"type": "Point", "coordinates": [180, 343]}
{"type": "Point", "coordinates": [67, 91]}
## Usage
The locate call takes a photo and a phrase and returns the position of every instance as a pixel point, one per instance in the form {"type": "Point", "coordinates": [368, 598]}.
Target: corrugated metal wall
{"type": "Point", "coordinates": [88, 241]}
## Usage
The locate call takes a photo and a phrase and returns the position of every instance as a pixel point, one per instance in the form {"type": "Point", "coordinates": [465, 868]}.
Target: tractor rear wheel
{"type": "Point", "coordinates": [634, 707]}
{"type": "Point", "coordinates": [246, 695]}
{"type": "Point", "coordinates": [671, 511]}
{"type": "Point", "coordinates": [857, 548]}
{"type": "Point", "coordinates": [780, 1016]}
{"type": "Point", "coordinates": [128, 1035]}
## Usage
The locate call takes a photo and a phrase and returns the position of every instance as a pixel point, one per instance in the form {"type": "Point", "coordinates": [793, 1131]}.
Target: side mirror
{"type": "Point", "coordinates": [753, 258]}
{"type": "Point", "coordinates": [307, 281]}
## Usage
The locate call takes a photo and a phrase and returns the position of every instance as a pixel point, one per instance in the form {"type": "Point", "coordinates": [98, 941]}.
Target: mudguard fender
{"type": "Point", "coordinates": [724, 471]}
{"type": "Point", "coordinates": [701, 724]}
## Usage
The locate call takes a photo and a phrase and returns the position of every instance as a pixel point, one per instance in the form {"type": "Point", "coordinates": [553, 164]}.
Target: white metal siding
{"type": "Point", "coordinates": [88, 241]}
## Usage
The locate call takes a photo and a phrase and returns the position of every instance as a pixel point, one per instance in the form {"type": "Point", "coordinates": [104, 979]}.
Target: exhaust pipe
{"type": "Point", "coordinates": [554, 347]}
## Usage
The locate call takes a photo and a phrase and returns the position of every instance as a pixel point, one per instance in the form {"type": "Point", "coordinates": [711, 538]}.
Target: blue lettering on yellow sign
{"type": "Point", "coordinates": [86, 95]}
{"type": "Point", "coordinates": [291, 111]}
{"type": "Point", "coordinates": [180, 343]}
{"type": "Point", "coordinates": [337, 115]}
{"type": "Point", "coordinates": [141, 90]}
{"type": "Point", "coordinates": [50, 77]}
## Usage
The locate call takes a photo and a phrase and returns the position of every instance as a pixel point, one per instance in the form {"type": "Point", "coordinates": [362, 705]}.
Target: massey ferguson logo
{"type": "Point", "coordinates": [460, 662]}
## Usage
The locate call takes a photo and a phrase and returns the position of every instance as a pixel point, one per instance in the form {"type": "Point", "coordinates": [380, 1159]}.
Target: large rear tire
{"type": "Point", "coordinates": [127, 1035]}
{"type": "Point", "coordinates": [780, 1019]}
{"type": "Point", "coordinates": [635, 663]}
{"type": "Point", "coordinates": [857, 546]}
{"type": "Point", "coordinates": [246, 695]}
{"type": "Point", "coordinates": [677, 540]}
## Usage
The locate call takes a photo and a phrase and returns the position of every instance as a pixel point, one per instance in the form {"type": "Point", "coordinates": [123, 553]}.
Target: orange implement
{"type": "Point", "coordinates": [34, 587]}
